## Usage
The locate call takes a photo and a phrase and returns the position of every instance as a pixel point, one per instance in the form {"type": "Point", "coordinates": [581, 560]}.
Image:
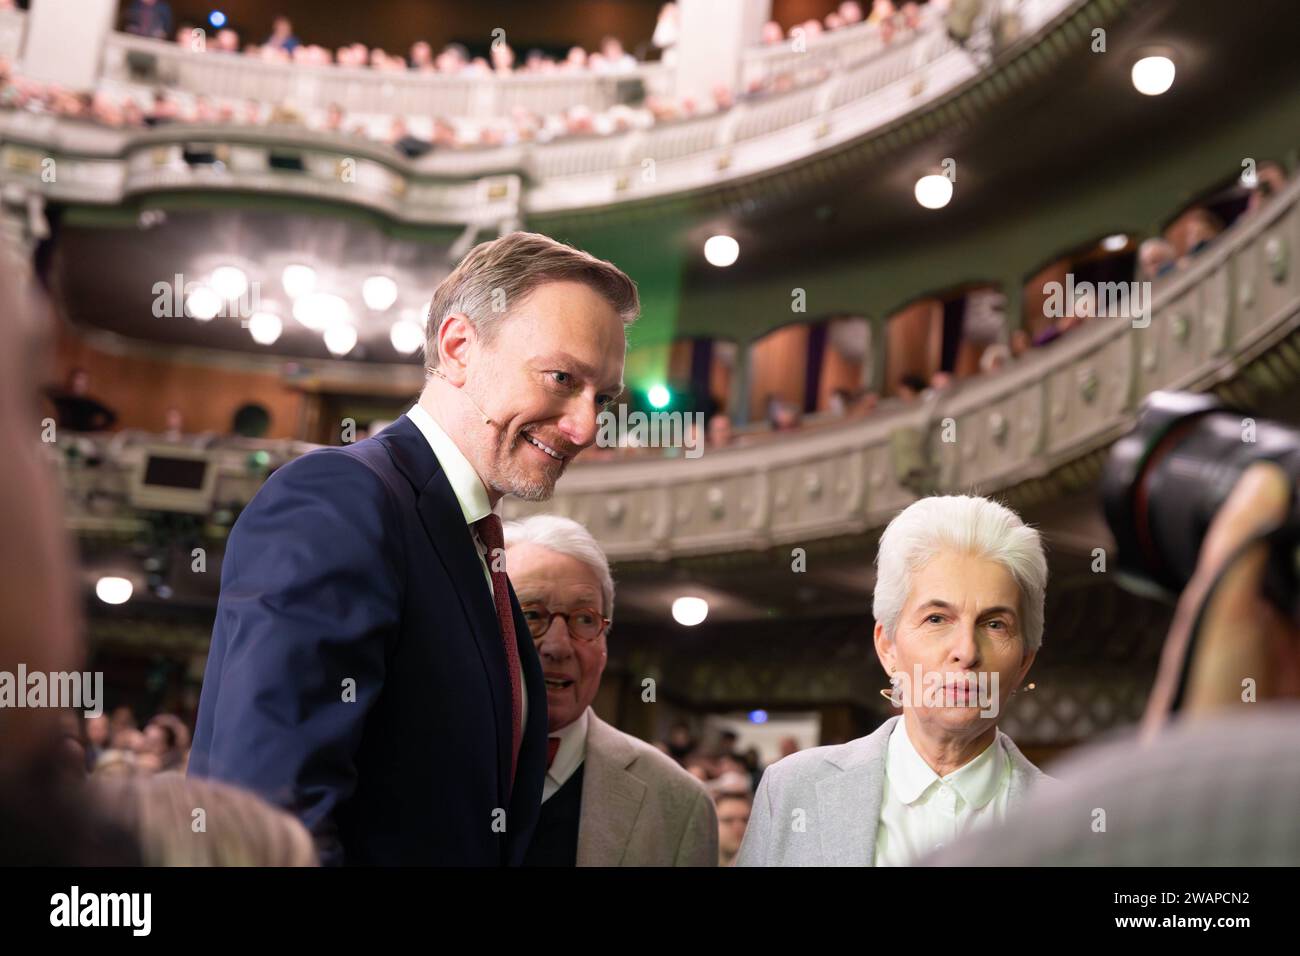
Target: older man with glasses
{"type": "Point", "coordinates": [609, 799]}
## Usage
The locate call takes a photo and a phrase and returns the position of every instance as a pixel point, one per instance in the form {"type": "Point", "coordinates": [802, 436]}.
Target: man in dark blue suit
{"type": "Point", "coordinates": [370, 669]}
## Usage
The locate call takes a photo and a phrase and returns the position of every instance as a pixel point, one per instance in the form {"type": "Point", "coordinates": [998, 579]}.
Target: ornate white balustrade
{"type": "Point", "coordinates": [131, 59]}
{"type": "Point", "coordinates": [1055, 407]}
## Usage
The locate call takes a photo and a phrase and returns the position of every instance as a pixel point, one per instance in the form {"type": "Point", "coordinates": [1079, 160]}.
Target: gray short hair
{"type": "Point", "coordinates": [498, 275]}
{"type": "Point", "coordinates": [565, 536]}
{"type": "Point", "coordinates": [968, 525]}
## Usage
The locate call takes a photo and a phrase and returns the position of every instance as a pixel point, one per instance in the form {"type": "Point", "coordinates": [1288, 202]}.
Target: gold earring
{"type": "Point", "coordinates": [889, 692]}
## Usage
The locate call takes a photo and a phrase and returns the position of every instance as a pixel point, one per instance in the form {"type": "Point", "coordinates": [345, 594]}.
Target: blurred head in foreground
{"type": "Point", "coordinates": [178, 821]}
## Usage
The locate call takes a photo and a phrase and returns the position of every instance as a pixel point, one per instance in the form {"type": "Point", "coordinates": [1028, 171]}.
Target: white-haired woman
{"type": "Point", "coordinates": [959, 619]}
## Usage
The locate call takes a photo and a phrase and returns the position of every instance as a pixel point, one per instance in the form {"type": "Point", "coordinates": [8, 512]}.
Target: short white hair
{"type": "Point", "coordinates": [967, 525]}
{"type": "Point", "coordinates": [565, 536]}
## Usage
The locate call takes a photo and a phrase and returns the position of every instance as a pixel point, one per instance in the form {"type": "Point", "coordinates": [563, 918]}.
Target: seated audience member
{"type": "Point", "coordinates": [1213, 784]}
{"type": "Point", "coordinates": [421, 57]}
{"type": "Point", "coordinates": [239, 827]}
{"type": "Point", "coordinates": [1156, 259]}
{"type": "Point", "coordinates": [719, 431]}
{"type": "Point", "coordinates": [614, 59]}
{"type": "Point", "coordinates": [994, 358]}
{"type": "Point", "coordinates": [227, 41]}
{"type": "Point", "coordinates": [733, 817]}
{"type": "Point", "coordinates": [74, 408]}
{"type": "Point", "coordinates": [281, 37]}
{"type": "Point", "coordinates": [1201, 229]}
{"type": "Point", "coordinates": [1020, 342]}
{"type": "Point", "coordinates": [681, 742]}
{"type": "Point", "coordinates": [609, 799]}
{"type": "Point", "coordinates": [910, 387]}
{"type": "Point", "coordinates": [149, 18]}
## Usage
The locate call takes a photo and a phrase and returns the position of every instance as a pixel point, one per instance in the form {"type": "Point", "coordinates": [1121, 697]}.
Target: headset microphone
{"type": "Point", "coordinates": [486, 419]}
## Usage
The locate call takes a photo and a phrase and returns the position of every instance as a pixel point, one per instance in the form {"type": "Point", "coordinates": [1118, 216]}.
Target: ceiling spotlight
{"type": "Point", "coordinates": [721, 251]}
{"type": "Point", "coordinates": [1115, 243]}
{"type": "Point", "coordinates": [265, 328]}
{"type": "Point", "coordinates": [1153, 75]}
{"type": "Point", "coordinates": [689, 611]}
{"type": "Point", "coordinates": [113, 590]}
{"type": "Point", "coordinates": [406, 336]}
{"type": "Point", "coordinates": [229, 282]}
{"type": "Point", "coordinates": [934, 191]}
{"type": "Point", "coordinates": [202, 304]}
{"type": "Point", "coordinates": [319, 311]}
{"type": "Point", "coordinates": [340, 339]}
{"type": "Point", "coordinates": [298, 280]}
{"type": "Point", "coordinates": [379, 292]}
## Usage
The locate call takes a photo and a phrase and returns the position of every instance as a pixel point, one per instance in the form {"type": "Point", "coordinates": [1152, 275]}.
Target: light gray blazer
{"type": "Point", "coordinates": [639, 808]}
{"type": "Point", "coordinates": [821, 807]}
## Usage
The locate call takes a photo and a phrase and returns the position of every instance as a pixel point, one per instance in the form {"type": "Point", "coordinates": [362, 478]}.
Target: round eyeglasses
{"type": "Point", "coordinates": [584, 623]}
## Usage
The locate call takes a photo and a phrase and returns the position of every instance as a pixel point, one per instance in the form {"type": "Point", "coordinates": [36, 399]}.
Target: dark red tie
{"type": "Point", "coordinates": [489, 532]}
{"type": "Point", "coordinates": [552, 745]}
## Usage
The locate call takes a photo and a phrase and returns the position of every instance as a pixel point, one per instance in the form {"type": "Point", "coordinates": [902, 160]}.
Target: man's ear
{"type": "Point", "coordinates": [884, 649]}
{"type": "Point", "coordinates": [456, 338]}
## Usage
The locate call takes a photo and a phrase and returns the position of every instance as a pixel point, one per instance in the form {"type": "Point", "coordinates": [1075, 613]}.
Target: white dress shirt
{"type": "Point", "coordinates": [474, 505]}
{"type": "Point", "coordinates": [568, 757]}
{"type": "Point", "coordinates": [921, 811]}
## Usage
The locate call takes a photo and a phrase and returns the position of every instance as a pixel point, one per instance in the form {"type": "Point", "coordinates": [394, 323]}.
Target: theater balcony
{"type": "Point", "coordinates": [1060, 173]}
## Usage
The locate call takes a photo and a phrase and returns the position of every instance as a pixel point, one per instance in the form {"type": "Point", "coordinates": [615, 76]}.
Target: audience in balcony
{"type": "Point", "coordinates": [282, 37]}
{"type": "Point", "coordinates": [75, 409]}
{"type": "Point", "coordinates": [1156, 259]}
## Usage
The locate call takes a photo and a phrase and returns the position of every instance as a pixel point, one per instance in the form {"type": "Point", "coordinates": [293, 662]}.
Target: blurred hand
{"type": "Point", "coordinates": [1243, 635]}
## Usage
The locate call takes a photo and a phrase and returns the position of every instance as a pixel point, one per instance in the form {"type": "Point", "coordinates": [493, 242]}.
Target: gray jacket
{"type": "Point", "coordinates": [639, 808]}
{"type": "Point", "coordinates": [821, 807]}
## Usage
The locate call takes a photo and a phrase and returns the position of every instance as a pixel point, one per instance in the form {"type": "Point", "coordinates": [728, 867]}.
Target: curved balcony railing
{"type": "Point", "coordinates": [132, 59]}
{"type": "Point", "coordinates": [1035, 429]}
{"type": "Point", "coordinates": [1046, 417]}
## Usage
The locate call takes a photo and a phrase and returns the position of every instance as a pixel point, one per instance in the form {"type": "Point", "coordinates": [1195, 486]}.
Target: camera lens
{"type": "Point", "coordinates": [1164, 482]}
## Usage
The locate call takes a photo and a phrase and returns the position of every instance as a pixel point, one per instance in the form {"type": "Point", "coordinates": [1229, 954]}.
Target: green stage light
{"type": "Point", "coordinates": [659, 395]}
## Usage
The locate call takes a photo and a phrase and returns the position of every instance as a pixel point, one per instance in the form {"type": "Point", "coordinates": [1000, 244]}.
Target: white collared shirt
{"type": "Point", "coordinates": [921, 811]}
{"type": "Point", "coordinates": [472, 497]}
{"type": "Point", "coordinates": [568, 757]}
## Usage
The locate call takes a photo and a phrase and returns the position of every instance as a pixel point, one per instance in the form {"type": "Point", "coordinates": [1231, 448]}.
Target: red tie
{"type": "Point", "coordinates": [489, 532]}
{"type": "Point", "coordinates": [552, 745]}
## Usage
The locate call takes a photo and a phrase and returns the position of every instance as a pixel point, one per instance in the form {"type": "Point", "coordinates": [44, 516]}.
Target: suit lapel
{"type": "Point", "coordinates": [611, 797]}
{"type": "Point", "coordinates": [848, 803]}
{"type": "Point", "coordinates": [526, 801]}
{"type": "Point", "coordinates": [444, 523]}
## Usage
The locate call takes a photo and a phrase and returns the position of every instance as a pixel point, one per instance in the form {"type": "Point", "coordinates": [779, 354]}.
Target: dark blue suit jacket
{"type": "Point", "coordinates": [355, 564]}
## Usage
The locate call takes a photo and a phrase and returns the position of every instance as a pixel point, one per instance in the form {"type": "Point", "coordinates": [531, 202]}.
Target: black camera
{"type": "Point", "coordinates": [1165, 480]}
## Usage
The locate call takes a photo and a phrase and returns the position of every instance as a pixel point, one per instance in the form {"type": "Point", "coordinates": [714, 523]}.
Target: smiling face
{"type": "Point", "coordinates": [553, 365]}
{"type": "Point", "coordinates": [572, 667]}
{"type": "Point", "coordinates": [963, 616]}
